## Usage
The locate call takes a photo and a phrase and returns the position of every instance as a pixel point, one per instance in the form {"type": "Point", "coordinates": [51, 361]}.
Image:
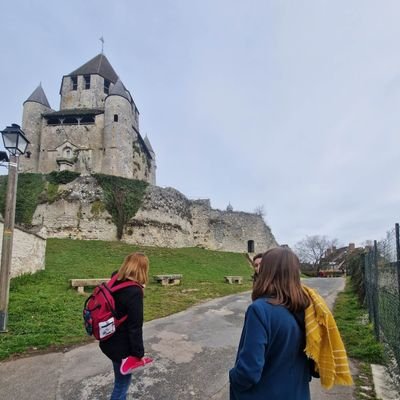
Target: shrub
{"type": "Point", "coordinates": [62, 177]}
{"type": "Point", "coordinates": [122, 198]}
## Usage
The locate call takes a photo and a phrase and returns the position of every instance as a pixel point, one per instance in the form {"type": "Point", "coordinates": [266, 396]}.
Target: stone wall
{"type": "Point", "coordinates": [166, 219]}
{"type": "Point", "coordinates": [28, 254]}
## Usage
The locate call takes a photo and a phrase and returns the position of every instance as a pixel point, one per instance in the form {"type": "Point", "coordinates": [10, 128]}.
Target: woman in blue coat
{"type": "Point", "coordinates": [271, 363]}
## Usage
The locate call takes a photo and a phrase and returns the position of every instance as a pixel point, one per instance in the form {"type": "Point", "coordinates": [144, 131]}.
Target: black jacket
{"type": "Point", "coordinates": [128, 338]}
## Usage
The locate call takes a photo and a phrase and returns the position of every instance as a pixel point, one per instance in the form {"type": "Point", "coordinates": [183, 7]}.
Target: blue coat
{"type": "Point", "coordinates": [270, 363]}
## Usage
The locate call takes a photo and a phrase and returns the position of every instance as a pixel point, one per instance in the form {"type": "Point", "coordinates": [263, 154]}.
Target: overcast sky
{"type": "Point", "coordinates": [292, 105]}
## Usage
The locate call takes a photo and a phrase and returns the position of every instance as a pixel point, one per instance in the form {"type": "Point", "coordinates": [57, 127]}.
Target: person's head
{"type": "Point", "coordinates": [257, 261]}
{"type": "Point", "coordinates": [279, 280]}
{"type": "Point", "coordinates": [135, 267]}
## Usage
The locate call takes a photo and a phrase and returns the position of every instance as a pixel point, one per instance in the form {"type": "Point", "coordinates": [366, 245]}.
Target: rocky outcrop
{"type": "Point", "coordinates": [166, 218]}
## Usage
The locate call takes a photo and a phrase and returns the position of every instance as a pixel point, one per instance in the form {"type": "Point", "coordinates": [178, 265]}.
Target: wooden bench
{"type": "Point", "coordinates": [81, 283]}
{"type": "Point", "coordinates": [168, 280]}
{"type": "Point", "coordinates": [234, 279]}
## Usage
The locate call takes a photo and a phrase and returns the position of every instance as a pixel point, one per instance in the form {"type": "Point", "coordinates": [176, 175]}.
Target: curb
{"type": "Point", "coordinates": [384, 387]}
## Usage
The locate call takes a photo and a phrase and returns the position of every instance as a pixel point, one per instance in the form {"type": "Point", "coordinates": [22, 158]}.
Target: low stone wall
{"type": "Point", "coordinates": [29, 250]}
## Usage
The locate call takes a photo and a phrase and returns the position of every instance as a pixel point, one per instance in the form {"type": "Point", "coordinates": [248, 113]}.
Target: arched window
{"type": "Point", "coordinates": [250, 246]}
{"type": "Point", "coordinates": [67, 152]}
{"type": "Point", "coordinates": [115, 117]}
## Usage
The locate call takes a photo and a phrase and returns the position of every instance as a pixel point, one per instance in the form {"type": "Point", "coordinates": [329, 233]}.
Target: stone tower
{"type": "Point", "coordinates": [36, 105]}
{"type": "Point", "coordinates": [96, 129]}
{"type": "Point", "coordinates": [119, 134]}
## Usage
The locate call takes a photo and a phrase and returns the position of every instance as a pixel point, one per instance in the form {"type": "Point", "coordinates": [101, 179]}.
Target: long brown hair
{"type": "Point", "coordinates": [135, 267]}
{"type": "Point", "coordinates": [279, 280]}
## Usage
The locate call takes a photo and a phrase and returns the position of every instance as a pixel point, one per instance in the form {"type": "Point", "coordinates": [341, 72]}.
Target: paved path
{"type": "Point", "coordinates": [193, 351]}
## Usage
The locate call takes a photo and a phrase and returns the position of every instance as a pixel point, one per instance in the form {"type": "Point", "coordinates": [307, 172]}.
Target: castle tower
{"type": "Point", "coordinates": [89, 85]}
{"type": "Point", "coordinates": [119, 134]}
{"type": "Point", "coordinates": [36, 105]}
{"type": "Point", "coordinates": [153, 166]}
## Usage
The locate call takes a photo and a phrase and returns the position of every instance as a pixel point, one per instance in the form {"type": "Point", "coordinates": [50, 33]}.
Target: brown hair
{"type": "Point", "coordinates": [135, 267]}
{"type": "Point", "coordinates": [279, 280]}
{"type": "Point", "coordinates": [259, 255]}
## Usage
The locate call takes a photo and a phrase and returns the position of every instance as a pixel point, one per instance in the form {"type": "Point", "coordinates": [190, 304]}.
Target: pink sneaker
{"type": "Point", "coordinates": [130, 363]}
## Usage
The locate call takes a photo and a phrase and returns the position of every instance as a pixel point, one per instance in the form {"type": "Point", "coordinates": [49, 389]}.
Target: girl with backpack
{"type": "Point", "coordinates": [127, 341]}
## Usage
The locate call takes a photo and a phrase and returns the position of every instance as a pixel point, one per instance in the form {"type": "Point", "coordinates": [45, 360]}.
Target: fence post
{"type": "Point", "coordinates": [363, 278]}
{"type": "Point", "coordinates": [375, 292]}
{"type": "Point", "coordinates": [368, 282]}
{"type": "Point", "coordinates": [398, 255]}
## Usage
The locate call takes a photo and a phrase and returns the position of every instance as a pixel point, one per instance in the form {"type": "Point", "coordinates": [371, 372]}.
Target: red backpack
{"type": "Point", "coordinates": [99, 314]}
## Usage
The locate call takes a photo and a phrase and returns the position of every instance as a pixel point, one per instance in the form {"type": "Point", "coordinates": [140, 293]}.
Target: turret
{"type": "Point", "coordinates": [118, 133]}
{"type": "Point", "coordinates": [36, 105]}
{"type": "Point", "coordinates": [153, 165]}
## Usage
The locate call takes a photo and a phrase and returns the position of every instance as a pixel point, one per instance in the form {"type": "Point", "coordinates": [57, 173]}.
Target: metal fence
{"type": "Point", "coordinates": [381, 278]}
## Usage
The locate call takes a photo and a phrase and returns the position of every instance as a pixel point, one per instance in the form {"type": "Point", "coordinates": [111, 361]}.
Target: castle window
{"type": "Point", "coordinates": [74, 80]}
{"type": "Point", "coordinates": [87, 81]}
{"type": "Point", "coordinates": [250, 246]}
{"type": "Point", "coordinates": [53, 121]}
{"type": "Point", "coordinates": [87, 119]}
{"type": "Point", "coordinates": [106, 86]}
{"type": "Point", "coordinates": [67, 152]}
{"type": "Point", "coordinates": [70, 121]}
{"type": "Point", "coordinates": [115, 117]}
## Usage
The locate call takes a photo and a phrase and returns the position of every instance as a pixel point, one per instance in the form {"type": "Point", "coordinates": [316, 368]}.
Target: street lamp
{"type": "Point", "coordinates": [16, 143]}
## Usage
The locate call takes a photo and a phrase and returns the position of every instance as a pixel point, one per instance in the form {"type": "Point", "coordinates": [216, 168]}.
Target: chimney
{"type": "Point", "coordinates": [328, 252]}
{"type": "Point", "coordinates": [351, 246]}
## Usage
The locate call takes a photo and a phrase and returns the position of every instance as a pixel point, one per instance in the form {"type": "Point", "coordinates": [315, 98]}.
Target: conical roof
{"type": "Point", "coordinates": [119, 90]}
{"type": "Point", "coordinates": [38, 96]}
{"type": "Point", "coordinates": [97, 65]}
{"type": "Point", "coordinates": [147, 142]}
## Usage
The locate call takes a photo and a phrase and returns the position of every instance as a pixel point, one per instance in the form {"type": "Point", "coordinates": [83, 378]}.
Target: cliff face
{"type": "Point", "coordinates": [166, 218]}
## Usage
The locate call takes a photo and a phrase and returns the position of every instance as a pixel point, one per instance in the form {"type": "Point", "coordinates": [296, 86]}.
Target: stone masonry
{"type": "Point", "coordinates": [96, 129]}
{"type": "Point", "coordinates": [28, 253]}
{"type": "Point", "coordinates": [166, 219]}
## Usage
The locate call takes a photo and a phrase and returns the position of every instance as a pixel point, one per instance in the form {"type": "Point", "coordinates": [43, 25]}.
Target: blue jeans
{"type": "Point", "coordinates": [121, 383]}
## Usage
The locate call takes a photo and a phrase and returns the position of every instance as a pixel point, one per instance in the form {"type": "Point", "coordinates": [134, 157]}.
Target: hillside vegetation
{"type": "Point", "coordinates": [45, 312]}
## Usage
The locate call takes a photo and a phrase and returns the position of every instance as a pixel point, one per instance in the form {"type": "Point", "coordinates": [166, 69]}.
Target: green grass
{"type": "Point", "coordinates": [358, 336]}
{"type": "Point", "coordinates": [44, 311]}
{"type": "Point", "coordinates": [356, 331]}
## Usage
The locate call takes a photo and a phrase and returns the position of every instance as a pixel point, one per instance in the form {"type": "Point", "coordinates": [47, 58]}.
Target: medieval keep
{"type": "Point", "coordinates": [96, 129]}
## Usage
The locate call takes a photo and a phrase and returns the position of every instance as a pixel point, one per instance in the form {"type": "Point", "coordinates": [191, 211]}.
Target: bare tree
{"type": "Point", "coordinates": [260, 210]}
{"type": "Point", "coordinates": [312, 249]}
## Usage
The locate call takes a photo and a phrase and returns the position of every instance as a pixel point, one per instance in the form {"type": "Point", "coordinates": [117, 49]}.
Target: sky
{"type": "Point", "coordinates": [289, 105]}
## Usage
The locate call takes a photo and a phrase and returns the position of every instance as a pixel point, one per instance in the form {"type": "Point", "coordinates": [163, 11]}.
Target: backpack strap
{"type": "Point", "coordinates": [127, 283]}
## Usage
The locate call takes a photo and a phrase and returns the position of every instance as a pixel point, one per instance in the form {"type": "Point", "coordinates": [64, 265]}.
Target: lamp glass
{"type": "Point", "coordinates": [10, 139]}
{"type": "Point", "coordinates": [22, 143]}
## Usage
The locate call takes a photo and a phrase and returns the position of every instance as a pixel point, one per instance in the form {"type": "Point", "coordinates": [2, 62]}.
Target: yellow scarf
{"type": "Point", "coordinates": [324, 344]}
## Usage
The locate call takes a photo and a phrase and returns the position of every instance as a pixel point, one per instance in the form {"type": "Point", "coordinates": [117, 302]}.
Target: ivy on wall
{"type": "Point", "coordinates": [122, 198]}
{"type": "Point", "coordinates": [33, 189]}
{"type": "Point", "coordinates": [62, 177]}
{"type": "Point", "coordinates": [29, 188]}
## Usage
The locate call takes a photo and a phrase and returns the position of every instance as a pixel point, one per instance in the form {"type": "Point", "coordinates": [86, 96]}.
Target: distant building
{"type": "Point", "coordinates": [96, 129]}
{"type": "Point", "coordinates": [336, 259]}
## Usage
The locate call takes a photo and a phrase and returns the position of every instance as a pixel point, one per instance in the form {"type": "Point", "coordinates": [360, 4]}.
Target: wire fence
{"type": "Point", "coordinates": [380, 276]}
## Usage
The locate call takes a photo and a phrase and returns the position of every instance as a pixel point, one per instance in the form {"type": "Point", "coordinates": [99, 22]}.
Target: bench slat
{"type": "Point", "coordinates": [88, 282]}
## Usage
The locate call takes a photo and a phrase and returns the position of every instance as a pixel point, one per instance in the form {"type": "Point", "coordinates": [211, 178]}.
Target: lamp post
{"type": "Point", "coordinates": [16, 143]}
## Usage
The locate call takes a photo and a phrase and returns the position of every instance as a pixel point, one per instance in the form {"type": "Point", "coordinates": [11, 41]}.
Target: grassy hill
{"type": "Point", "coordinates": [45, 312]}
